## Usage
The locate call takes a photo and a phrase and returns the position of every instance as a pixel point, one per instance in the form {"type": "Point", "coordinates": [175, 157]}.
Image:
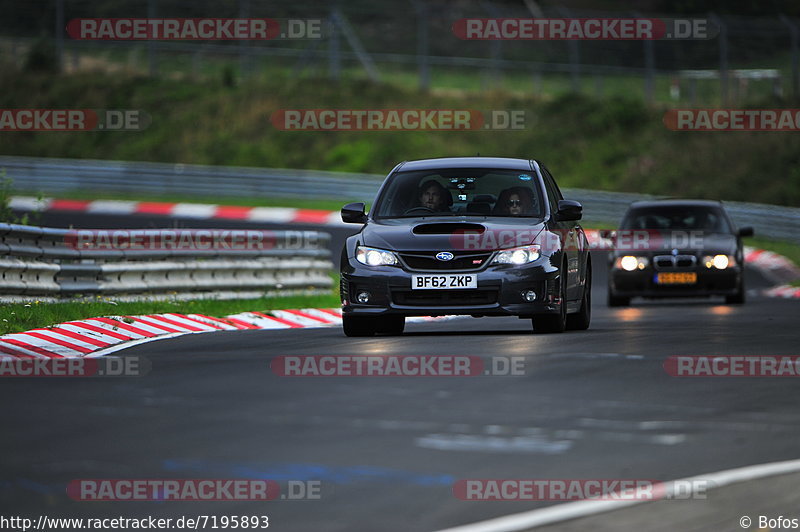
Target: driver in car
{"type": "Point", "coordinates": [433, 196]}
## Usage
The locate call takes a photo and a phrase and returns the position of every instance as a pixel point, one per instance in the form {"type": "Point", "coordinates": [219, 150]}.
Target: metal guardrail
{"type": "Point", "coordinates": [53, 176]}
{"type": "Point", "coordinates": [39, 261]}
{"type": "Point", "coordinates": [61, 175]}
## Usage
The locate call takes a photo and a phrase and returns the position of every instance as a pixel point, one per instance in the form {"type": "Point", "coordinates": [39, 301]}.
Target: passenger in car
{"type": "Point", "coordinates": [514, 201]}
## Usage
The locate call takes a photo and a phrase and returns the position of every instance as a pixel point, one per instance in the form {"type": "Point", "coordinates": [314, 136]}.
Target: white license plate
{"type": "Point", "coordinates": [439, 282]}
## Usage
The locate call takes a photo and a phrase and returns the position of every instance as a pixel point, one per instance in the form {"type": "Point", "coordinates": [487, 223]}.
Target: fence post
{"type": "Point", "coordinates": [574, 55]}
{"type": "Point", "coordinates": [152, 65]}
{"type": "Point", "coordinates": [537, 83]}
{"type": "Point", "coordinates": [723, 57]}
{"type": "Point", "coordinates": [334, 49]}
{"type": "Point", "coordinates": [423, 33]}
{"type": "Point", "coordinates": [495, 50]}
{"type": "Point", "coordinates": [649, 66]}
{"type": "Point", "coordinates": [793, 33]}
{"type": "Point", "coordinates": [598, 86]}
{"type": "Point", "coordinates": [60, 35]}
{"type": "Point", "coordinates": [244, 44]}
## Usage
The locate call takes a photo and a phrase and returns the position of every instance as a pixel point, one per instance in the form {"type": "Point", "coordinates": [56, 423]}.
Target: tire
{"type": "Point", "coordinates": [581, 320]}
{"type": "Point", "coordinates": [617, 301]}
{"type": "Point", "coordinates": [358, 325]}
{"type": "Point", "coordinates": [554, 323]}
{"type": "Point", "coordinates": [391, 325]}
{"type": "Point", "coordinates": [738, 298]}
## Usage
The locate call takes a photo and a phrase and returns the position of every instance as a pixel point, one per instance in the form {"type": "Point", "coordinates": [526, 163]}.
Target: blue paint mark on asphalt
{"type": "Point", "coordinates": [32, 485]}
{"type": "Point", "coordinates": [337, 475]}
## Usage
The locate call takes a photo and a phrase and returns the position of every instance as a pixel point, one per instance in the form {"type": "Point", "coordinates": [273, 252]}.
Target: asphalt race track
{"type": "Point", "coordinates": [387, 450]}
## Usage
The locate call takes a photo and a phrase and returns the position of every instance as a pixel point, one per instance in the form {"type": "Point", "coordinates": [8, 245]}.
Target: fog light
{"type": "Point", "coordinates": [529, 295]}
{"type": "Point", "coordinates": [363, 297]}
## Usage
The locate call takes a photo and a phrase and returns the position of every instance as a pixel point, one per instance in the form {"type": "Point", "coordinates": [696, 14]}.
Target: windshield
{"type": "Point", "coordinates": [461, 192]}
{"type": "Point", "coordinates": [677, 218]}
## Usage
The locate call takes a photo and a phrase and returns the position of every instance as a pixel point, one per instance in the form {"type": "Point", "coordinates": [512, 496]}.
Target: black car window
{"type": "Point", "coordinates": [460, 192]}
{"type": "Point", "coordinates": [677, 218]}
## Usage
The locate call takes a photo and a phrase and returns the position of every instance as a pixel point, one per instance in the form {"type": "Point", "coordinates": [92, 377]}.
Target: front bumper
{"type": "Point", "coordinates": [499, 291]}
{"type": "Point", "coordinates": [710, 282]}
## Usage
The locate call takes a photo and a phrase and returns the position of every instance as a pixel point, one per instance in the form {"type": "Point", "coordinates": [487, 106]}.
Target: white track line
{"type": "Point", "coordinates": [574, 510]}
{"type": "Point", "coordinates": [126, 345]}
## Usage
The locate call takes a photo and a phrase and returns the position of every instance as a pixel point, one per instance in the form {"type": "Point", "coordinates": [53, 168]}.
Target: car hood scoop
{"type": "Point", "coordinates": [447, 228]}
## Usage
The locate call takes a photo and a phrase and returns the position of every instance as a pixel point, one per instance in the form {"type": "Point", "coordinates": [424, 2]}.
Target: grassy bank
{"type": "Point", "coordinates": [19, 317]}
{"type": "Point", "coordinates": [609, 144]}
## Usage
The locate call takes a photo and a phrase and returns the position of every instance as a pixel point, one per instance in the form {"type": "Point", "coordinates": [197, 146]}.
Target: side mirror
{"type": "Point", "coordinates": [353, 213]}
{"type": "Point", "coordinates": [568, 210]}
{"type": "Point", "coordinates": [746, 231]}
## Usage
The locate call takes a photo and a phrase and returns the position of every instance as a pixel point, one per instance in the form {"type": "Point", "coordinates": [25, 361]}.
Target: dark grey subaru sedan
{"type": "Point", "coordinates": [478, 236]}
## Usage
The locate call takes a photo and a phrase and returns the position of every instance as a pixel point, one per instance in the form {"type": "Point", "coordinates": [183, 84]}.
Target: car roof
{"type": "Point", "coordinates": [645, 204]}
{"type": "Point", "coordinates": [505, 163]}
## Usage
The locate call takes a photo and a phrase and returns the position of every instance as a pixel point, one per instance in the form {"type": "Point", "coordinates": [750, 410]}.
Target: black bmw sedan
{"type": "Point", "coordinates": [477, 236]}
{"type": "Point", "coordinates": [674, 248]}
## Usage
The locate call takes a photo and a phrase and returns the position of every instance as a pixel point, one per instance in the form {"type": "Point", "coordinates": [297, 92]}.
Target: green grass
{"type": "Point", "coordinates": [613, 143]}
{"type": "Point", "coordinates": [17, 317]}
{"type": "Point", "coordinates": [607, 144]}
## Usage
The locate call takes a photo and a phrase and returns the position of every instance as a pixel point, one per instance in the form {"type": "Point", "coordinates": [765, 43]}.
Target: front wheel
{"type": "Point", "coordinates": [580, 321]}
{"type": "Point", "coordinates": [554, 323]}
{"type": "Point", "coordinates": [737, 298]}
{"type": "Point", "coordinates": [358, 325]}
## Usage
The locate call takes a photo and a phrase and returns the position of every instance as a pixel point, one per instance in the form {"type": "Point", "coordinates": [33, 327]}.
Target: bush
{"type": "Point", "coordinates": [42, 57]}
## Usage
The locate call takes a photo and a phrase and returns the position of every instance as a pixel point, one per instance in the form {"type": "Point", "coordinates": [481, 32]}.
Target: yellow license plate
{"type": "Point", "coordinates": [676, 278]}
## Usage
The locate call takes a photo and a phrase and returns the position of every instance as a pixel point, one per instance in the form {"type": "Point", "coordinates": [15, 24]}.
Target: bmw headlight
{"type": "Point", "coordinates": [375, 257]}
{"type": "Point", "coordinates": [630, 263]}
{"type": "Point", "coordinates": [720, 262]}
{"type": "Point", "coordinates": [518, 256]}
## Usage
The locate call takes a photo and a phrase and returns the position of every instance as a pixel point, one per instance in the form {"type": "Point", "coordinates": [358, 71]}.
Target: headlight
{"type": "Point", "coordinates": [719, 262]}
{"type": "Point", "coordinates": [630, 263]}
{"type": "Point", "coordinates": [521, 255]}
{"type": "Point", "coordinates": [375, 257]}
